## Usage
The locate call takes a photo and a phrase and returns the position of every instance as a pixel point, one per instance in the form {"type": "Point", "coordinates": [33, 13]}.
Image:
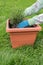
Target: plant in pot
{"type": "Point", "coordinates": [16, 18]}
{"type": "Point", "coordinates": [21, 36]}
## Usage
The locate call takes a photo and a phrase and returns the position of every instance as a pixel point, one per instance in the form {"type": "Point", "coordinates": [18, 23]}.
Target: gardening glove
{"type": "Point", "coordinates": [32, 21]}
{"type": "Point", "coordinates": [34, 8]}
{"type": "Point", "coordinates": [23, 24]}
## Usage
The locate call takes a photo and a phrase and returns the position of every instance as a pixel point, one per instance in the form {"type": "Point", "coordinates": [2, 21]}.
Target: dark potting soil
{"type": "Point", "coordinates": [14, 26]}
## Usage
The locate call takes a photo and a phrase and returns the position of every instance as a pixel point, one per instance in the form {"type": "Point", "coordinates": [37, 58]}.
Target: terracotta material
{"type": "Point", "coordinates": [22, 36]}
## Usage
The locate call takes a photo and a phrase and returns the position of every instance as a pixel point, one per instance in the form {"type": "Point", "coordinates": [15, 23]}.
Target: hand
{"type": "Point", "coordinates": [23, 24]}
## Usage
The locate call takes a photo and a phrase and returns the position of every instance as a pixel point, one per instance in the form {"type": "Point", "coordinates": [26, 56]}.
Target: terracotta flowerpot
{"type": "Point", "coordinates": [22, 36]}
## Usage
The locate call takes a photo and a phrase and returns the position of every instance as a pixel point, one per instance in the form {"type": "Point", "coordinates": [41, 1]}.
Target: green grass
{"type": "Point", "coordinates": [26, 55]}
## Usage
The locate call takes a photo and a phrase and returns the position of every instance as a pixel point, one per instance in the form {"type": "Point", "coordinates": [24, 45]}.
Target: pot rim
{"type": "Point", "coordinates": [37, 28]}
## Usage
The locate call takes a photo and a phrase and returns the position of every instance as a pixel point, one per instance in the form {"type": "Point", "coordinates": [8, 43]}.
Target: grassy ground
{"type": "Point", "coordinates": [26, 55]}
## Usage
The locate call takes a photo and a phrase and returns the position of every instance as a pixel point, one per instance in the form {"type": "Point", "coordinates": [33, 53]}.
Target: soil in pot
{"type": "Point", "coordinates": [15, 25]}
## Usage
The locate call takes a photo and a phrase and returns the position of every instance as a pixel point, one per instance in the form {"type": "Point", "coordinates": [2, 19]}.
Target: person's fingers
{"type": "Point", "coordinates": [23, 24]}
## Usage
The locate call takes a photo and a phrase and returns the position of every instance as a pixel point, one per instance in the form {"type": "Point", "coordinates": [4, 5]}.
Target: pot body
{"type": "Point", "coordinates": [22, 36]}
{"type": "Point", "coordinates": [25, 38]}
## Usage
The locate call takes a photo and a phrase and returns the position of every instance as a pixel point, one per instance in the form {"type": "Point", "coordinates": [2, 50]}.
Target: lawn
{"type": "Point", "coordinates": [26, 55]}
